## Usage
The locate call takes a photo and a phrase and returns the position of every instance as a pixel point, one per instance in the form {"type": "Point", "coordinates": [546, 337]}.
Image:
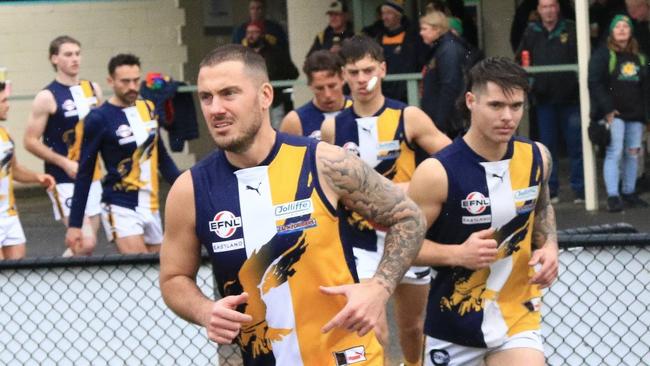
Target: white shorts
{"type": "Point", "coordinates": [442, 353]}
{"type": "Point", "coordinates": [367, 261]}
{"type": "Point", "coordinates": [61, 198]}
{"type": "Point", "coordinates": [120, 222]}
{"type": "Point", "coordinates": [11, 231]}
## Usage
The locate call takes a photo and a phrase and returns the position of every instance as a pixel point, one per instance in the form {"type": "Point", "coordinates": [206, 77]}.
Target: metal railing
{"type": "Point", "coordinates": [107, 310]}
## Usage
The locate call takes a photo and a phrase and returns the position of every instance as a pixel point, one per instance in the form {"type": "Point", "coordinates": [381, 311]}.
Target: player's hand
{"type": "Point", "coordinates": [70, 168]}
{"type": "Point", "coordinates": [478, 251]}
{"type": "Point", "coordinates": [225, 321]}
{"type": "Point", "coordinates": [366, 301]}
{"type": "Point", "coordinates": [73, 239]}
{"type": "Point", "coordinates": [547, 256]}
{"type": "Point", "coordinates": [46, 181]}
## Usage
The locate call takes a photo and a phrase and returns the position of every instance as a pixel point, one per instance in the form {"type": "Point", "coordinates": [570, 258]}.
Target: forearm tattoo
{"type": "Point", "coordinates": [544, 229]}
{"type": "Point", "coordinates": [377, 199]}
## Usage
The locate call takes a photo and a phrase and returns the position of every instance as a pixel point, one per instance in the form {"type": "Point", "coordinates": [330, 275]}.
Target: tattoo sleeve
{"type": "Point", "coordinates": [377, 199]}
{"type": "Point", "coordinates": [544, 229]}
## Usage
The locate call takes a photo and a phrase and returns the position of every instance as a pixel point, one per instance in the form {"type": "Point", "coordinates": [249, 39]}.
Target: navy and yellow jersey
{"type": "Point", "coordinates": [380, 141]}
{"type": "Point", "coordinates": [132, 153]}
{"type": "Point", "coordinates": [480, 308]}
{"type": "Point", "coordinates": [64, 128]}
{"type": "Point", "coordinates": [311, 117]}
{"type": "Point", "coordinates": [7, 201]}
{"type": "Point", "coordinates": [270, 231]}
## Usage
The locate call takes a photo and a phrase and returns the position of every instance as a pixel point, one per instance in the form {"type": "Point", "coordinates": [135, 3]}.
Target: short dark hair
{"type": "Point", "coordinates": [322, 60]}
{"type": "Point", "coordinates": [357, 47]}
{"type": "Point", "coordinates": [253, 62]}
{"type": "Point", "coordinates": [56, 43]}
{"type": "Point", "coordinates": [3, 85]}
{"type": "Point", "coordinates": [499, 70]}
{"type": "Point", "coordinates": [122, 59]}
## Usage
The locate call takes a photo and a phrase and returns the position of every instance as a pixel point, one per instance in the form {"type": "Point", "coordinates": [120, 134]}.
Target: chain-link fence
{"type": "Point", "coordinates": [108, 310]}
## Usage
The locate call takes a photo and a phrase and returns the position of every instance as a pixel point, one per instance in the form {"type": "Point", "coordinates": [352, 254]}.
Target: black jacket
{"type": "Point", "coordinates": [327, 38]}
{"type": "Point", "coordinates": [552, 48]}
{"type": "Point", "coordinates": [601, 74]}
{"type": "Point", "coordinates": [442, 82]}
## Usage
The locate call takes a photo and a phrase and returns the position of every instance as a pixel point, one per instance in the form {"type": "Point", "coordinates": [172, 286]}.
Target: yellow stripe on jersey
{"type": "Point", "coordinates": [87, 88]}
{"type": "Point", "coordinates": [6, 175]}
{"type": "Point", "coordinates": [74, 151]}
{"type": "Point", "coordinates": [387, 125]}
{"type": "Point", "coordinates": [511, 297]}
{"type": "Point", "coordinates": [323, 264]}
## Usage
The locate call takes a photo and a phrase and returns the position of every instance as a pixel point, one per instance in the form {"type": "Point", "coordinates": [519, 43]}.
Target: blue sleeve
{"type": "Point", "coordinates": [90, 145]}
{"type": "Point", "coordinates": [166, 165]}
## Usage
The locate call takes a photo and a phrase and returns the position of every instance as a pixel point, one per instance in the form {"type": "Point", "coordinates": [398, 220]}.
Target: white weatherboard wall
{"type": "Point", "coordinates": [148, 28]}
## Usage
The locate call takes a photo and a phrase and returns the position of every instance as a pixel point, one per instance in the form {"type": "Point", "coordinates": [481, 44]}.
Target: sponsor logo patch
{"type": "Point", "coordinates": [123, 131]}
{"type": "Point", "coordinates": [350, 356]}
{"type": "Point", "coordinates": [525, 194]}
{"type": "Point", "coordinates": [225, 224]}
{"type": "Point", "coordinates": [296, 226]}
{"type": "Point", "coordinates": [388, 150]}
{"type": "Point", "coordinates": [473, 220]}
{"type": "Point", "coordinates": [526, 208]}
{"type": "Point", "coordinates": [475, 203]}
{"type": "Point", "coordinates": [439, 357]}
{"type": "Point", "coordinates": [293, 209]}
{"type": "Point", "coordinates": [352, 147]}
{"type": "Point", "coordinates": [226, 246]}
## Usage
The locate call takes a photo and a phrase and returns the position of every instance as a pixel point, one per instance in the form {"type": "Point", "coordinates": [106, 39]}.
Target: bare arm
{"type": "Point", "coordinates": [545, 230]}
{"type": "Point", "coordinates": [291, 124]}
{"type": "Point", "coordinates": [180, 257]}
{"type": "Point", "coordinates": [328, 131]}
{"type": "Point", "coordinates": [421, 130]}
{"type": "Point", "coordinates": [43, 106]}
{"type": "Point", "coordinates": [429, 189]}
{"type": "Point", "coordinates": [377, 199]}
{"type": "Point", "coordinates": [24, 175]}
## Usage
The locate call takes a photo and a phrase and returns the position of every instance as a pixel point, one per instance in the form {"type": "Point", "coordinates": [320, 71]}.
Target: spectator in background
{"type": "Point", "coordinates": [442, 81]}
{"type": "Point", "coordinates": [12, 237]}
{"type": "Point", "coordinates": [273, 31]}
{"type": "Point", "coordinates": [527, 13]}
{"type": "Point", "coordinates": [279, 65]}
{"type": "Point", "coordinates": [639, 10]}
{"type": "Point", "coordinates": [401, 45]}
{"type": "Point", "coordinates": [338, 29]}
{"type": "Point", "coordinates": [325, 79]}
{"type": "Point", "coordinates": [552, 41]}
{"type": "Point", "coordinates": [618, 86]}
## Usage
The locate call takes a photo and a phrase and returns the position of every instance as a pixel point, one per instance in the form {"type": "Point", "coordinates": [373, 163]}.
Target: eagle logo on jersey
{"type": "Point", "coordinates": [224, 224]}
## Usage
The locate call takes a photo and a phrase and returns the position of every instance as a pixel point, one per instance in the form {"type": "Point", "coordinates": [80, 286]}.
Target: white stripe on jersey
{"type": "Point", "coordinates": [368, 140]}
{"type": "Point", "coordinates": [256, 205]}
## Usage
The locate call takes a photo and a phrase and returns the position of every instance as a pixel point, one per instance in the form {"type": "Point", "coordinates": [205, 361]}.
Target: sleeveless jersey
{"type": "Point", "coordinates": [132, 152]}
{"type": "Point", "coordinates": [64, 129]}
{"type": "Point", "coordinates": [311, 117]}
{"type": "Point", "coordinates": [7, 201]}
{"type": "Point", "coordinates": [380, 141]}
{"type": "Point", "coordinates": [270, 231]}
{"type": "Point", "coordinates": [481, 308]}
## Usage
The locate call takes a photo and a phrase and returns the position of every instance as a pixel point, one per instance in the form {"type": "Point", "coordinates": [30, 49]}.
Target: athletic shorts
{"type": "Point", "coordinates": [442, 353]}
{"type": "Point", "coordinates": [120, 222]}
{"type": "Point", "coordinates": [11, 231]}
{"type": "Point", "coordinates": [61, 198]}
{"type": "Point", "coordinates": [367, 261]}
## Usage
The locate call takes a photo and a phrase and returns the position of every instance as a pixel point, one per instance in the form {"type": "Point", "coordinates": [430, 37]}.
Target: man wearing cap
{"type": "Point", "coordinates": [338, 29]}
{"type": "Point", "coordinates": [401, 44]}
{"type": "Point", "coordinates": [278, 64]}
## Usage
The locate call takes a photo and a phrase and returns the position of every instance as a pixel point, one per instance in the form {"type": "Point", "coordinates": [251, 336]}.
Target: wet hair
{"type": "Point", "coordinates": [322, 60]}
{"type": "Point", "coordinates": [357, 47]}
{"type": "Point", "coordinates": [56, 43]}
{"type": "Point", "coordinates": [499, 70]}
{"type": "Point", "coordinates": [254, 64]}
{"type": "Point", "coordinates": [120, 60]}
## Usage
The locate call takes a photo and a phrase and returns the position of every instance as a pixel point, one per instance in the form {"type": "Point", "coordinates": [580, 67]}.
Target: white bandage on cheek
{"type": "Point", "coordinates": [372, 83]}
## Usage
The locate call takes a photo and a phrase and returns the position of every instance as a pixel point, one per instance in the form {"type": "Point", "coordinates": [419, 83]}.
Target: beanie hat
{"type": "Point", "coordinates": [397, 5]}
{"type": "Point", "coordinates": [617, 18]}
